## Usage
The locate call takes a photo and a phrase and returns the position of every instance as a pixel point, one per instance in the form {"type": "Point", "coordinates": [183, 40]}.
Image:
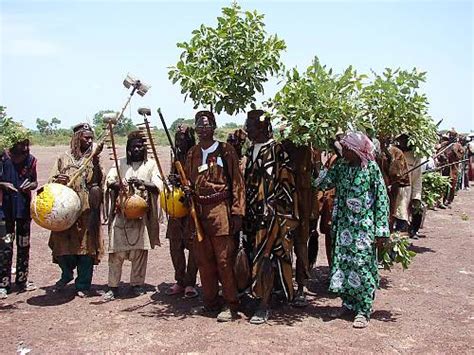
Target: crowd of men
{"type": "Point", "coordinates": [257, 210]}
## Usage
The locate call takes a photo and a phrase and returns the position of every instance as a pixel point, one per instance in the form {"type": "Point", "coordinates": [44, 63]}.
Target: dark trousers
{"type": "Point", "coordinates": [85, 268]}
{"type": "Point", "coordinates": [18, 229]}
{"type": "Point", "coordinates": [215, 259]}
{"type": "Point", "coordinates": [416, 219]}
{"type": "Point", "coordinates": [180, 239]}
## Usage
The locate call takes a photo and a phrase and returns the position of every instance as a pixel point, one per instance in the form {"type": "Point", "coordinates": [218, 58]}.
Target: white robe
{"type": "Point", "coordinates": [408, 193]}
{"type": "Point", "coordinates": [128, 234]}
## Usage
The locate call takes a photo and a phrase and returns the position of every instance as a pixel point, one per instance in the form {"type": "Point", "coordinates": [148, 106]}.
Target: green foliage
{"type": "Point", "coordinates": [177, 122]}
{"type": "Point", "coordinates": [122, 128]}
{"type": "Point", "coordinates": [393, 105]}
{"type": "Point", "coordinates": [59, 137]}
{"type": "Point", "coordinates": [396, 250]}
{"type": "Point", "coordinates": [433, 187]}
{"type": "Point", "coordinates": [225, 67]}
{"type": "Point", "coordinates": [315, 104]}
{"type": "Point", "coordinates": [231, 125]}
{"type": "Point", "coordinates": [12, 132]}
{"type": "Point", "coordinates": [48, 128]}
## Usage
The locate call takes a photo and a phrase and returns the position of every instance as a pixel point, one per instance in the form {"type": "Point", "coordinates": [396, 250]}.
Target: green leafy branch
{"type": "Point", "coordinates": [225, 67]}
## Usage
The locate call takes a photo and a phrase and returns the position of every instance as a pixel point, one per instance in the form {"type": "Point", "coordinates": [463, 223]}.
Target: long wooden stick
{"type": "Point", "coordinates": [184, 181]}
{"type": "Point", "coordinates": [86, 162]}
{"type": "Point", "coordinates": [155, 154]}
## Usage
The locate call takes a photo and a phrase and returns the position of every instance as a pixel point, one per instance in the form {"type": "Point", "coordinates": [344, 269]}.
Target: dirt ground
{"type": "Point", "coordinates": [428, 308]}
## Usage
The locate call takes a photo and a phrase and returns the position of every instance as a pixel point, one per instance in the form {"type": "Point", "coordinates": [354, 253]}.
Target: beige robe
{"type": "Point", "coordinates": [138, 234]}
{"type": "Point", "coordinates": [408, 193]}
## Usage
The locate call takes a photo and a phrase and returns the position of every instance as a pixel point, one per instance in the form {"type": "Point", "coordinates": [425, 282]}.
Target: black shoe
{"type": "Point", "coordinates": [138, 290]}
{"type": "Point", "coordinates": [83, 293]}
{"type": "Point", "coordinates": [260, 316]}
{"type": "Point", "coordinates": [26, 287]}
{"type": "Point", "coordinates": [110, 294]}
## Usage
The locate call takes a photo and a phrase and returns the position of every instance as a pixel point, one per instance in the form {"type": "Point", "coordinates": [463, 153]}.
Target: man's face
{"type": "Point", "coordinates": [403, 142]}
{"type": "Point", "coordinates": [204, 129]}
{"type": "Point", "coordinates": [86, 140]}
{"type": "Point", "coordinates": [137, 150]}
{"type": "Point", "coordinates": [20, 152]}
{"type": "Point", "coordinates": [252, 130]}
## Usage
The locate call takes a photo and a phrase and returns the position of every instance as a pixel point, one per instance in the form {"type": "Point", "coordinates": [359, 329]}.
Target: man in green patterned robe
{"type": "Point", "coordinates": [360, 224]}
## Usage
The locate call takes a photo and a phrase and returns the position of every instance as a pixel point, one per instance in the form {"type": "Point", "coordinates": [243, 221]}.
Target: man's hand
{"type": "Point", "coordinates": [61, 179]}
{"type": "Point", "coordinates": [8, 186]}
{"type": "Point", "coordinates": [235, 224]}
{"type": "Point", "coordinates": [28, 186]}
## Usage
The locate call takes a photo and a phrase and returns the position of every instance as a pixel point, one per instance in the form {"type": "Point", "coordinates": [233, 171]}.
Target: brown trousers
{"type": "Point", "coordinates": [215, 260]}
{"type": "Point", "coordinates": [181, 238]}
{"type": "Point", "coordinates": [302, 235]}
{"type": "Point", "coordinates": [454, 182]}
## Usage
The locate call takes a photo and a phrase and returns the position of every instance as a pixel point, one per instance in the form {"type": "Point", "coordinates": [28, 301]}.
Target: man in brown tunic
{"type": "Point", "coordinates": [80, 246]}
{"type": "Point", "coordinates": [393, 165]}
{"type": "Point", "coordinates": [213, 169]}
{"type": "Point", "coordinates": [453, 154]}
{"type": "Point", "coordinates": [300, 159]}
{"type": "Point", "coordinates": [179, 232]}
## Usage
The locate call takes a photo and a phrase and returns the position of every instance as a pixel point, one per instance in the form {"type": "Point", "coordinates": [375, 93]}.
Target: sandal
{"type": "Point", "coordinates": [174, 290]}
{"type": "Point", "coordinates": [360, 321]}
{"type": "Point", "coordinates": [300, 301]}
{"type": "Point", "coordinates": [190, 292]}
{"type": "Point", "coordinates": [260, 316]}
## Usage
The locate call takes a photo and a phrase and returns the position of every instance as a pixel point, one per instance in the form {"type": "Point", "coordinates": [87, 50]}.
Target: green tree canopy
{"type": "Point", "coordinates": [225, 67]}
{"type": "Point", "coordinates": [12, 132]}
{"type": "Point", "coordinates": [393, 105]}
{"type": "Point", "coordinates": [178, 121]}
{"type": "Point", "coordinates": [314, 105]}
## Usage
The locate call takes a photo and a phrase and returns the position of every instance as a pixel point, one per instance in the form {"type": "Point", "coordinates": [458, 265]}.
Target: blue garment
{"type": "Point", "coordinates": [16, 205]}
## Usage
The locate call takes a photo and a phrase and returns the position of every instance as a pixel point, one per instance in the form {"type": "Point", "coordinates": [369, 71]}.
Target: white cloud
{"type": "Point", "coordinates": [19, 38]}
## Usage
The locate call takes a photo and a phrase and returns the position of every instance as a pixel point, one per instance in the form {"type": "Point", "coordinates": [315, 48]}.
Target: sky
{"type": "Point", "coordinates": [67, 59]}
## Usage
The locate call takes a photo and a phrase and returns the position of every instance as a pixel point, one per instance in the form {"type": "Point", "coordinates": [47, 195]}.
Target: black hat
{"type": "Point", "coordinates": [206, 114]}
{"type": "Point", "coordinates": [82, 127]}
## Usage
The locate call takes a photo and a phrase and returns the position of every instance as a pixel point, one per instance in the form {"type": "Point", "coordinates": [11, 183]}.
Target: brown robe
{"type": "Point", "coordinates": [215, 218]}
{"type": "Point", "coordinates": [301, 161]}
{"type": "Point", "coordinates": [77, 240]}
{"type": "Point", "coordinates": [394, 170]}
{"type": "Point", "coordinates": [215, 254]}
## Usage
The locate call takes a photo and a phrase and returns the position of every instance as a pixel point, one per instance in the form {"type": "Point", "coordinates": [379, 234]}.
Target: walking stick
{"type": "Point", "coordinates": [184, 181]}
{"type": "Point", "coordinates": [144, 111]}
{"type": "Point", "coordinates": [426, 161]}
{"type": "Point", "coordinates": [445, 166]}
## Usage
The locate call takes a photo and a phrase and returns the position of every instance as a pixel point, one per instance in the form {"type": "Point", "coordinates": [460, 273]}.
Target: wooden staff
{"type": "Point", "coordinates": [147, 112]}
